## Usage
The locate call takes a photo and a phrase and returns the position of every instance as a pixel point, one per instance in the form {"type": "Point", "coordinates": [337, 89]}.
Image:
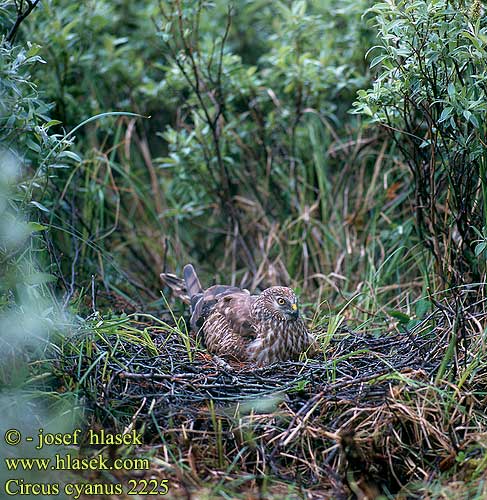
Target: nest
{"type": "Point", "coordinates": [179, 385]}
{"type": "Point", "coordinates": [364, 416]}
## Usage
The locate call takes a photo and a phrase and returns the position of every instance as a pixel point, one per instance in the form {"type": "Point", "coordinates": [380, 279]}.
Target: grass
{"type": "Point", "coordinates": [393, 405]}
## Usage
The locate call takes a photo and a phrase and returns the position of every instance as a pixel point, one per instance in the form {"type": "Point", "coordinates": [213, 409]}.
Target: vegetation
{"type": "Point", "coordinates": [337, 147]}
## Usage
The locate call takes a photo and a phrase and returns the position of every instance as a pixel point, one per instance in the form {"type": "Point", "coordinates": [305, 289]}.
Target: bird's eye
{"type": "Point", "coordinates": [281, 301]}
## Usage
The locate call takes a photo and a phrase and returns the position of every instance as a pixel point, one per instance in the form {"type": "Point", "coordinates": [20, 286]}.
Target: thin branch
{"type": "Point", "coordinates": [20, 17]}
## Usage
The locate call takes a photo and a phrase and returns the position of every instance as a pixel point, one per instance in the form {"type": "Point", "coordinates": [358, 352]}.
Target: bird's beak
{"type": "Point", "coordinates": [295, 312]}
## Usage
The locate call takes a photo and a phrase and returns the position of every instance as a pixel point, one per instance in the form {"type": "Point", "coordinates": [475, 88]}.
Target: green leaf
{"type": "Point", "coordinates": [422, 308]}
{"type": "Point", "coordinates": [40, 206]}
{"type": "Point", "coordinates": [34, 146]}
{"type": "Point", "coordinates": [289, 88]}
{"type": "Point", "coordinates": [411, 324]}
{"type": "Point", "coordinates": [480, 248]}
{"type": "Point", "coordinates": [445, 114]}
{"type": "Point", "coordinates": [451, 90]}
{"type": "Point", "coordinates": [33, 51]}
{"type": "Point", "coordinates": [474, 121]}
{"type": "Point", "coordinates": [402, 317]}
{"type": "Point", "coordinates": [299, 8]}
{"type": "Point", "coordinates": [51, 123]}
{"type": "Point", "coordinates": [40, 278]}
{"type": "Point", "coordinates": [35, 226]}
{"type": "Point", "coordinates": [70, 154]}
{"type": "Point", "coordinates": [378, 59]}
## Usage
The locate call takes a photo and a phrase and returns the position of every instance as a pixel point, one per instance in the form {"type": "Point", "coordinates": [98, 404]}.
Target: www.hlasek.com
{"type": "Point", "coordinates": [15, 486]}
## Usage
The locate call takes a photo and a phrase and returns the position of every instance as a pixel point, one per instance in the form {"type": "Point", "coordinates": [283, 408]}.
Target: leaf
{"type": "Point", "coordinates": [289, 88]}
{"type": "Point", "coordinates": [33, 50]}
{"type": "Point", "coordinates": [378, 59]}
{"type": "Point", "coordinates": [51, 123]}
{"type": "Point", "coordinates": [70, 154]}
{"type": "Point", "coordinates": [40, 278]}
{"type": "Point", "coordinates": [451, 90]}
{"type": "Point", "coordinates": [422, 308]}
{"type": "Point", "coordinates": [402, 317]}
{"type": "Point", "coordinates": [480, 248]}
{"type": "Point", "coordinates": [299, 8]}
{"type": "Point", "coordinates": [411, 324]}
{"type": "Point", "coordinates": [32, 145]}
{"type": "Point", "coordinates": [474, 121]}
{"type": "Point", "coordinates": [445, 114]}
{"type": "Point", "coordinates": [35, 226]}
{"type": "Point", "coordinates": [40, 206]}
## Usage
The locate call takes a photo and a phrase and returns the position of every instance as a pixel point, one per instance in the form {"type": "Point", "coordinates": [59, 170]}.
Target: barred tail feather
{"type": "Point", "coordinates": [193, 285]}
{"type": "Point", "coordinates": [177, 286]}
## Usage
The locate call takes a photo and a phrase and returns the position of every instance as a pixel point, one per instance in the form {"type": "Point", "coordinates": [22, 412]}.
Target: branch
{"type": "Point", "coordinates": [20, 17]}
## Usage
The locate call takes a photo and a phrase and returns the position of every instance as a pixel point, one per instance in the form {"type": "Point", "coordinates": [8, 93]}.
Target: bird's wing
{"type": "Point", "coordinates": [230, 304]}
{"type": "Point", "coordinates": [235, 307]}
{"type": "Point", "coordinates": [203, 303]}
{"type": "Point", "coordinates": [193, 285]}
{"type": "Point", "coordinates": [229, 328]}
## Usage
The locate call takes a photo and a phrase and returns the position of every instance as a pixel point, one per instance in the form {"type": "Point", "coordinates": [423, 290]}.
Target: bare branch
{"type": "Point", "coordinates": [21, 15]}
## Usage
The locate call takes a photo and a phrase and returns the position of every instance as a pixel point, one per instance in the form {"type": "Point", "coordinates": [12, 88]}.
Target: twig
{"type": "Point", "coordinates": [20, 17]}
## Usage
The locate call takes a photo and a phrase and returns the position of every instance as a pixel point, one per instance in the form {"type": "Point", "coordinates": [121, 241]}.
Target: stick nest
{"type": "Point", "coordinates": [368, 417]}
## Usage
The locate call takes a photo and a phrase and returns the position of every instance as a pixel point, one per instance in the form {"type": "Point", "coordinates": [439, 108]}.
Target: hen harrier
{"type": "Point", "coordinates": [262, 328]}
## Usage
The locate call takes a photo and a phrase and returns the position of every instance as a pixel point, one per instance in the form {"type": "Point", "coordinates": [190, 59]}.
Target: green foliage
{"type": "Point", "coordinates": [30, 315]}
{"type": "Point", "coordinates": [430, 93]}
{"type": "Point", "coordinates": [24, 122]}
{"type": "Point", "coordinates": [240, 131]}
{"type": "Point", "coordinates": [100, 56]}
{"type": "Point", "coordinates": [31, 155]}
{"type": "Point", "coordinates": [271, 121]}
{"type": "Point", "coordinates": [249, 164]}
{"type": "Point", "coordinates": [28, 150]}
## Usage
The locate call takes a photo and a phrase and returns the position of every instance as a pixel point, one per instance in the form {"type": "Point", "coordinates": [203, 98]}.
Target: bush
{"type": "Point", "coordinates": [248, 152]}
{"type": "Point", "coordinates": [30, 155]}
{"type": "Point", "coordinates": [430, 94]}
{"type": "Point", "coordinates": [246, 159]}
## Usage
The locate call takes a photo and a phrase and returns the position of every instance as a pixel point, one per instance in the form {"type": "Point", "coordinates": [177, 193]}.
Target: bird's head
{"type": "Point", "coordinates": [280, 302]}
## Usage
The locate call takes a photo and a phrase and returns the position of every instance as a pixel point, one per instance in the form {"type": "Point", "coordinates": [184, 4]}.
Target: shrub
{"type": "Point", "coordinates": [249, 151]}
{"type": "Point", "coordinates": [430, 94]}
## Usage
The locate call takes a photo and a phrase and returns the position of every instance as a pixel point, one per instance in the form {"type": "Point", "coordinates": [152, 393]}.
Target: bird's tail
{"type": "Point", "coordinates": [188, 289]}
{"type": "Point", "coordinates": [193, 285]}
{"type": "Point", "coordinates": [177, 286]}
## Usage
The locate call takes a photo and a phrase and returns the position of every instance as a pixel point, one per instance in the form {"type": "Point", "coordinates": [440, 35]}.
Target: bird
{"type": "Point", "coordinates": [261, 328]}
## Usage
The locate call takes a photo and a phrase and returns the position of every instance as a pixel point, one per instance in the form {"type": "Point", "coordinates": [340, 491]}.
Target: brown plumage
{"type": "Point", "coordinates": [262, 328]}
